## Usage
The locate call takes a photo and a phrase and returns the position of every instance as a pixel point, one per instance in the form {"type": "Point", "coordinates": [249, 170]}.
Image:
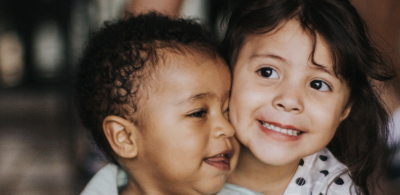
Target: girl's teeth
{"type": "Point", "coordinates": [282, 130]}
{"type": "Point", "coordinates": [290, 132]}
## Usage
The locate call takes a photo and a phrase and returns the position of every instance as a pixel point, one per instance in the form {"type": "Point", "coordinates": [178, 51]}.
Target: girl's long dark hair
{"type": "Point", "coordinates": [360, 141]}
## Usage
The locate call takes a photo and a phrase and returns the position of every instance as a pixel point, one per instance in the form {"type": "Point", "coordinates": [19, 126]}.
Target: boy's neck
{"type": "Point", "coordinates": [139, 183]}
{"type": "Point", "coordinates": [142, 182]}
{"type": "Point", "coordinates": [133, 187]}
{"type": "Point", "coordinates": [143, 188]}
{"type": "Point", "coordinates": [257, 176]}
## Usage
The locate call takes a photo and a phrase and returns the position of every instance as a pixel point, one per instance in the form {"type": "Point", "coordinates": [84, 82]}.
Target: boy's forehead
{"type": "Point", "coordinates": [187, 71]}
{"type": "Point", "coordinates": [187, 59]}
{"type": "Point", "coordinates": [188, 77]}
{"type": "Point", "coordinates": [171, 59]}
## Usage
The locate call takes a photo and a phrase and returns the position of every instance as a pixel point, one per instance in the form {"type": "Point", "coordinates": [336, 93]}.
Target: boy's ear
{"type": "Point", "coordinates": [121, 134]}
{"type": "Point", "coordinates": [345, 113]}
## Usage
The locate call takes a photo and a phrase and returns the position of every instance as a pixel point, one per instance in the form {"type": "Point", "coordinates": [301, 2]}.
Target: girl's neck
{"type": "Point", "coordinates": [257, 176]}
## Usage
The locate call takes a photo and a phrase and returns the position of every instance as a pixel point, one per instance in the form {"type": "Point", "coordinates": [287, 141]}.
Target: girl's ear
{"type": "Point", "coordinates": [121, 134]}
{"type": "Point", "coordinates": [345, 113]}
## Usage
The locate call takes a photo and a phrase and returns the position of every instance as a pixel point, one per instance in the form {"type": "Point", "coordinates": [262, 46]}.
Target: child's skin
{"type": "Point", "coordinates": [183, 128]}
{"type": "Point", "coordinates": [275, 82]}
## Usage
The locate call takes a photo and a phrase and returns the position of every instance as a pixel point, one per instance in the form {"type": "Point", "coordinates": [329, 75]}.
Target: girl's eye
{"type": "Point", "coordinates": [268, 72]}
{"type": "Point", "coordinates": [320, 85]}
{"type": "Point", "coordinates": [199, 114]}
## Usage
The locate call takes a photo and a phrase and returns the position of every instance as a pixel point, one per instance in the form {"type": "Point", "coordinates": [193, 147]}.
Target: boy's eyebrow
{"type": "Point", "coordinates": [201, 96]}
{"type": "Point", "coordinates": [196, 97]}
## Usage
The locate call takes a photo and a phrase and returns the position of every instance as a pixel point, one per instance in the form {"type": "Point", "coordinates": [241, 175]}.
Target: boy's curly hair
{"type": "Point", "coordinates": [120, 58]}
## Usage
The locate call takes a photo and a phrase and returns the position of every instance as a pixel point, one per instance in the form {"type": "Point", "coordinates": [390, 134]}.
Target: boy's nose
{"type": "Point", "coordinates": [289, 98]}
{"type": "Point", "coordinates": [222, 127]}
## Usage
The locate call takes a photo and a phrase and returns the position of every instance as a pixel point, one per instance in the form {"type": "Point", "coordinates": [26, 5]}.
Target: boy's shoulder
{"type": "Point", "coordinates": [317, 173]}
{"type": "Point", "coordinates": [107, 181]}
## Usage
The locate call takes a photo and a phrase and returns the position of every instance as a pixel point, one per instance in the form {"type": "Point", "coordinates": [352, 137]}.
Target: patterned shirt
{"type": "Point", "coordinates": [318, 174]}
{"type": "Point", "coordinates": [314, 175]}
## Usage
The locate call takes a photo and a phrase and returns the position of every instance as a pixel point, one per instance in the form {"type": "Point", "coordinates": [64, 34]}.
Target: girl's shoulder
{"type": "Point", "coordinates": [321, 173]}
{"type": "Point", "coordinates": [230, 189]}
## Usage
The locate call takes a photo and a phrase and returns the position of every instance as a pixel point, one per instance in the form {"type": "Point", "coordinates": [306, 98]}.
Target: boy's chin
{"type": "Point", "coordinates": [210, 187]}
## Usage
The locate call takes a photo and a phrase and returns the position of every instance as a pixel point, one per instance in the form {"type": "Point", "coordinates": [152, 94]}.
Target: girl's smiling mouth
{"type": "Point", "coordinates": [288, 130]}
{"type": "Point", "coordinates": [280, 132]}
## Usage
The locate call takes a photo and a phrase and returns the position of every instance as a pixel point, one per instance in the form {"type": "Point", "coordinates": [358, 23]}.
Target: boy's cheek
{"type": "Point", "coordinates": [236, 148]}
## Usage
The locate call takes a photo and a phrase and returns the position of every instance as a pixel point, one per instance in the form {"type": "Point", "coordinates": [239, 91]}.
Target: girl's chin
{"type": "Point", "coordinates": [275, 158]}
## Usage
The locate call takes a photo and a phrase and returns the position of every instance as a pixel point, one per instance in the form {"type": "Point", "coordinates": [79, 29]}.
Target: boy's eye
{"type": "Point", "coordinates": [226, 113]}
{"type": "Point", "coordinates": [267, 72]}
{"type": "Point", "coordinates": [199, 114]}
{"type": "Point", "coordinates": [320, 85]}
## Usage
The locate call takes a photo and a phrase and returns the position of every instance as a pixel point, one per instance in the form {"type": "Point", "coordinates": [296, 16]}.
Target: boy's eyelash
{"type": "Point", "coordinates": [226, 110]}
{"type": "Point", "coordinates": [198, 113]}
{"type": "Point", "coordinates": [226, 113]}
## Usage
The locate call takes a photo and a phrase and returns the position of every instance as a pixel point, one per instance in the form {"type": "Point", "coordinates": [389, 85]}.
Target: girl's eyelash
{"type": "Point", "coordinates": [267, 72]}
{"type": "Point", "coordinates": [314, 85]}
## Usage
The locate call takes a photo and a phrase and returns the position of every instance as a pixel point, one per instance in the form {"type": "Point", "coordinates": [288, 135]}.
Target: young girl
{"type": "Point", "coordinates": [302, 101]}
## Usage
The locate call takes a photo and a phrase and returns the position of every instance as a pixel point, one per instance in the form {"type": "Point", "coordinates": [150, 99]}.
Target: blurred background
{"type": "Point", "coordinates": [43, 147]}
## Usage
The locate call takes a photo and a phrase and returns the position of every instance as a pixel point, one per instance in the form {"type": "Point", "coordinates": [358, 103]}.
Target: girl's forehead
{"type": "Point", "coordinates": [291, 43]}
{"type": "Point", "coordinates": [289, 36]}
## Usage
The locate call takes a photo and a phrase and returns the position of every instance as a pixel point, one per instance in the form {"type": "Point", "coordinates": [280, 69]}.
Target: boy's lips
{"type": "Point", "coordinates": [220, 161]}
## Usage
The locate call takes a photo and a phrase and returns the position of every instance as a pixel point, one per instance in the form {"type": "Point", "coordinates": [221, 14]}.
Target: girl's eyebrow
{"type": "Point", "coordinates": [321, 67]}
{"type": "Point", "coordinates": [273, 56]}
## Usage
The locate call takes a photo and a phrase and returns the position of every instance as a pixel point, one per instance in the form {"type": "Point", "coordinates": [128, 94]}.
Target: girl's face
{"type": "Point", "coordinates": [282, 106]}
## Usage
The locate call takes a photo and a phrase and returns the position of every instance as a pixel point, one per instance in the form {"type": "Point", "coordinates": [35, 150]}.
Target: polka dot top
{"type": "Point", "coordinates": [314, 175]}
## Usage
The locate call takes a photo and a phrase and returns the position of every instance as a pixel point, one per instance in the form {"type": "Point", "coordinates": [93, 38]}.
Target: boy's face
{"type": "Point", "coordinates": [187, 142]}
{"type": "Point", "coordinates": [283, 107]}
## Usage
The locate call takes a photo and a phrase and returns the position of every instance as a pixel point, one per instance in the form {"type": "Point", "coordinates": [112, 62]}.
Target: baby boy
{"type": "Point", "coordinates": [154, 94]}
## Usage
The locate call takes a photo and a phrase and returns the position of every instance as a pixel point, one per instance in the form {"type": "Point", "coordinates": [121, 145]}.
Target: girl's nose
{"type": "Point", "coordinates": [289, 98]}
